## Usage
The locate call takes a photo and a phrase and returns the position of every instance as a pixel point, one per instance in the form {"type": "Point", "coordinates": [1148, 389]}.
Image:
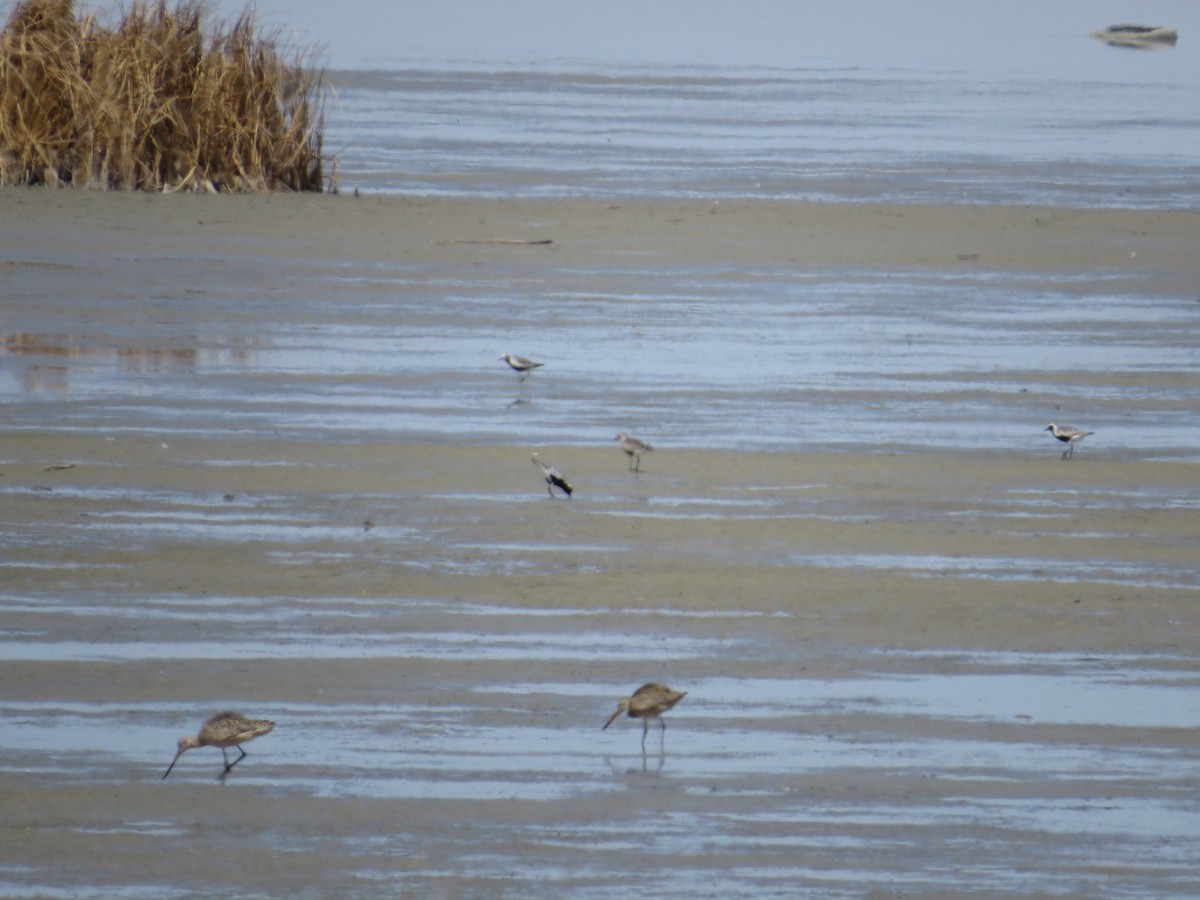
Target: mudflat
{"type": "Point", "coordinates": [909, 673]}
{"type": "Point", "coordinates": [431, 229]}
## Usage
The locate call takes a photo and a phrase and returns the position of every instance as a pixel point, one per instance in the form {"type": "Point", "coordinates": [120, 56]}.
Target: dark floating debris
{"type": "Point", "coordinates": [1137, 35]}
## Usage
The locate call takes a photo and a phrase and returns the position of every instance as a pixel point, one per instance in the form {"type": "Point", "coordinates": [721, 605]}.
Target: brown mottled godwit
{"type": "Point", "coordinates": [522, 365]}
{"type": "Point", "coordinates": [633, 447]}
{"type": "Point", "coordinates": [554, 478]}
{"type": "Point", "coordinates": [1068, 435]}
{"type": "Point", "coordinates": [648, 702]}
{"type": "Point", "coordinates": [227, 729]}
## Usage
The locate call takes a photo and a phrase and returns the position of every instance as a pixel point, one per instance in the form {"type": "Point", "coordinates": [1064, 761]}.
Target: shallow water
{"type": "Point", "coordinates": [827, 783]}
{"type": "Point", "coordinates": [1115, 134]}
{"type": "Point", "coordinates": [968, 102]}
{"type": "Point", "coordinates": [685, 357]}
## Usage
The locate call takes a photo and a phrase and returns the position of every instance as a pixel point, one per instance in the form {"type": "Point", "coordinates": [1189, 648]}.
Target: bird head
{"type": "Point", "coordinates": [622, 706]}
{"type": "Point", "coordinates": [185, 744]}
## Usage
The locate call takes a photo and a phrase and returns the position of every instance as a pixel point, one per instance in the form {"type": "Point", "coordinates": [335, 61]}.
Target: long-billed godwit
{"type": "Point", "coordinates": [227, 729]}
{"type": "Point", "coordinates": [1068, 435]}
{"type": "Point", "coordinates": [633, 447]}
{"type": "Point", "coordinates": [522, 365]}
{"type": "Point", "coordinates": [554, 478]}
{"type": "Point", "coordinates": [648, 702]}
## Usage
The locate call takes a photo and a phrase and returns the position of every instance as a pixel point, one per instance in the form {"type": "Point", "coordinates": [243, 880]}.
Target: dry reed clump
{"type": "Point", "coordinates": [151, 104]}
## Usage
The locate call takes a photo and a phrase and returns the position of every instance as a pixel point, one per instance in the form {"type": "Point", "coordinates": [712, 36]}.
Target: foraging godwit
{"type": "Point", "coordinates": [648, 702]}
{"type": "Point", "coordinates": [554, 478]}
{"type": "Point", "coordinates": [227, 729]}
{"type": "Point", "coordinates": [522, 365]}
{"type": "Point", "coordinates": [1068, 435]}
{"type": "Point", "coordinates": [633, 447]}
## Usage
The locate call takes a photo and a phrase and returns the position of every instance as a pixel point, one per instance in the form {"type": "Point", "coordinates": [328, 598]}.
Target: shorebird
{"type": "Point", "coordinates": [554, 478]}
{"type": "Point", "coordinates": [1068, 435]}
{"type": "Point", "coordinates": [227, 729]}
{"type": "Point", "coordinates": [522, 365]}
{"type": "Point", "coordinates": [633, 447]}
{"type": "Point", "coordinates": [648, 702]}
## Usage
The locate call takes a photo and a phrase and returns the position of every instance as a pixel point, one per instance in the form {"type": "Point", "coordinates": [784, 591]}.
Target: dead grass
{"type": "Point", "coordinates": [151, 103]}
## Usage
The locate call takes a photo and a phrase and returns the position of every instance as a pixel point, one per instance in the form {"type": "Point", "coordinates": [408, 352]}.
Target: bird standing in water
{"type": "Point", "coordinates": [633, 447]}
{"type": "Point", "coordinates": [227, 729]}
{"type": "Point", "coordinates": [554, 478]}
{"type": "Point", "coordinates": [521, 365]}
{"type": "Point", "coordinates": [1068, 435]}
{"type": "Point", "coordinates": [648, 702]}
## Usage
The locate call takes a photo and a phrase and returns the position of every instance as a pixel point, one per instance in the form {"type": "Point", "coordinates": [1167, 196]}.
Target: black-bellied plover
{"type": "Point", "coordinates": [1068, 435]}
{"type": "Point", "coordinates": [633, 448]}
{"type": "Point", "coordinates": [648, 702]}
{"type": "Point", "coordinates": [554, 478]}
{"type": "Point", "coordinates": [227, 729]}
{"type": "Point", "coordinates": [522, 365]}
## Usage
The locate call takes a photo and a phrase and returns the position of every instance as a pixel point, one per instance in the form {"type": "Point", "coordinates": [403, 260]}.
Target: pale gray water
{"type": "Point", "coordinates": [688, 355]}
{"type": "Point", "coordinates": [1022, 770]}
{"type": "Point", "coordinates": [866, 100]}
{"type": "Point", "coordinates": [854, 132]}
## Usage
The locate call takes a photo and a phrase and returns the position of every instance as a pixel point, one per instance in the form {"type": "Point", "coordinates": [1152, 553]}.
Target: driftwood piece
{"type": "Point", "coordinates": [500, 241]}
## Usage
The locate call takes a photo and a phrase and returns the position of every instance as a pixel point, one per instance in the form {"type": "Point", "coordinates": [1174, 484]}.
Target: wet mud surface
{"type": "Point", "coordinates": [913, 669]}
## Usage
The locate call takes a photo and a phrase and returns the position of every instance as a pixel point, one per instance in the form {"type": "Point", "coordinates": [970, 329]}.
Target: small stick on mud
{"type": "Point", "coordinates": [501, 241]}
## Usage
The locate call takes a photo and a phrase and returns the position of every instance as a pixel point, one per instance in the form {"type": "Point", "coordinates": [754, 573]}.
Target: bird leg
{"type": "Point", "coordinates": [242, 756]}
{"type": "Point", "coordinates": [229, 765]}
{"type": "Point", "coordinates": [645, 729]}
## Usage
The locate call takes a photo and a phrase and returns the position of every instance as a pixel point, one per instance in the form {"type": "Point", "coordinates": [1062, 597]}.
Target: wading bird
{"type": "Point", "coordinates": [1068, 435]}
{"type": "Point", "coordinates": [554, 478]}
{"type": "Point", "coordinates": [227, 729]}
{"type": "Point", "coordinates": [633, 447]}
{"type": "Point", "coordinates": [648, 702]}
{"type": "Point", "coordinates": [522, 365]}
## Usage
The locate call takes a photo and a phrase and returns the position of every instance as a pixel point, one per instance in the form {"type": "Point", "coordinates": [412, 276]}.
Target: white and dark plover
{"type": "Point", "coordinates": [554, 478]}
{"type": "Point", "coordinates": [521, 365]}
{"type": "Point", "coordinates": [633, 448]}
{"type": "Point", "coordinates": [1068, 435]}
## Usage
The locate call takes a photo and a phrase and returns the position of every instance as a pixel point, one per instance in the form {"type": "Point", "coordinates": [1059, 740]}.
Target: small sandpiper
{"type": "Point", "coordinates": [1068, 435]}
{"type": "Point", "coordinates": [633, 448]}
{"type": "Point", "coordinates": [522, 365]}
{"type": "Point", "coordinates": [554, 478]}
